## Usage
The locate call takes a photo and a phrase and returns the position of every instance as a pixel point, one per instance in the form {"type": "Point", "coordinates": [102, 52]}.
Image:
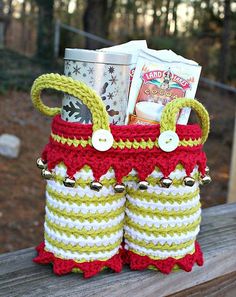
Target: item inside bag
{"type": "Point", "coordinates": [160, 77]}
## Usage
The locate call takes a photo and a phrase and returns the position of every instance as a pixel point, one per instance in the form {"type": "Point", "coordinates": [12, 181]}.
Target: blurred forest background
{"type": "Point", "coordinates": [202, 30]}
{"type": "Point", "coordinates": [33, 36]}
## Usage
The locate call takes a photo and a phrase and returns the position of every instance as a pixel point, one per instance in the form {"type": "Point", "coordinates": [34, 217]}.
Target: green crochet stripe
{"type": "Point", "coordinates": [153, 197]}
{"type": "Point", "coordinates": [77, 270]}
{"type": "Point", "coordinates": [80, 249]}
{"type": "Point", "coordinates": [174, 269]}
{"type": "Point", "coordinates": [85, 199]}
{"type": "Point", "coordinates": [157, 258]}
{"type": "Point", "coordinates": [156, 247]}
{"type": "Point", "coordinates": [91, 217]}
{"type": "Point", "coordinates": [164, 231]}
{"type": "Point", "coordinates": [156, 214]}
{"type": "Point", "coordinates": [83, 232]}
{"type": "Point", "coordinates": [144, 144]}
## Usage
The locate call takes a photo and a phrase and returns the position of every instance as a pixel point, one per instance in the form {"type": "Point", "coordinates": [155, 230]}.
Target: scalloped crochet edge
{"type": "Point", "coordinates": [64, 266]}
{"type": "Point", "coordinates": [137, 262]}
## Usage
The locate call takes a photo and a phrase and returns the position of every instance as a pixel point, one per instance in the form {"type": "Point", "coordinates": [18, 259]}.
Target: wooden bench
{"type": "Point", "coordinates": [19, 276]}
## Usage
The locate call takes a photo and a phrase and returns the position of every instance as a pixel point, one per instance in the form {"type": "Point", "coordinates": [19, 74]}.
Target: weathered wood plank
{"type": "Point", "coordinates": [224, 286]}
{"type": "Point", "coordinates": [20, 277]}
{"type": "Point", "coordinates": [232, 180]}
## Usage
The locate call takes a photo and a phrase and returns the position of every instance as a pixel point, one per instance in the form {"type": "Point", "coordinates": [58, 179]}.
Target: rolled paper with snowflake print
{"type": "Point", "coordinates": [107, 74]}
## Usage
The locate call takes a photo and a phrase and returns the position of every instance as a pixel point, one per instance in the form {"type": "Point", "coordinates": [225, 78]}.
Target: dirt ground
{"type": "Point", "coordinates": [22, 188]}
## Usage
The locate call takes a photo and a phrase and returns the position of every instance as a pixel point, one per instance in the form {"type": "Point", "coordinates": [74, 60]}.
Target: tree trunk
{"type": "Point", "coordinates": [94, 22]}
{"type": "Point", "coordinates": [1, 25]}
{"type": "Point", "coordinates": [23, 21]}
{"type": "Point", "coordinates": [225, 44]}
{"type": "Point", "coordinates": [165, 27]}
{"type": "Point", "coordinates": [45, 29]}
{"type": "Point", "coordinates": [175, 7]}
{"type": "Point", "coordinates": [157, 4]}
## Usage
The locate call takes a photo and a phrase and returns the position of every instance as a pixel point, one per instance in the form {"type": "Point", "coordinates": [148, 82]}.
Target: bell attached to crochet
{"type": "Point", "coordinates": [47, 174]}
{"type": "Point", "coordinates": [166, 182]}
{"type": "Point", "coordinates": [96, 186]}
{"type": "Point", "coordinates": [69, 182]}
{"type": "Point", "coordinates": [143, 185]}
{"type": "Point", "coordinates": [41, 164]}
{"type": "Point", "coordinates": [189, 181]}
{"type": "Point", "coordinates": [206, 179]}
{"type": "Point", "coordinates": [119, 188]}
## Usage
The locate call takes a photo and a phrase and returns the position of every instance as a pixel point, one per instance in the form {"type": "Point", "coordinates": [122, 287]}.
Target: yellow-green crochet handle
{"type": "Point", "coordinates": [72, 87]}
{"type": "Point", "coordinates": [171, 110]}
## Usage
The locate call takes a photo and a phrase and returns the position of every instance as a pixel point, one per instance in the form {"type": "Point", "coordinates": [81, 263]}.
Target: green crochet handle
{"type": "Point", "coordinates": [72, 87]}
{"type": "Point", "coordinates": [171, 110]}
{"type": "Point", "coordinates": [95, 104]}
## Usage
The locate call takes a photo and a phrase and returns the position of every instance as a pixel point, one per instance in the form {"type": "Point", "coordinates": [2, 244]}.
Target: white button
{"type": "Point", "coordinates": [102, 140]}
{"type": "Point", "coordinates": [168, 141]}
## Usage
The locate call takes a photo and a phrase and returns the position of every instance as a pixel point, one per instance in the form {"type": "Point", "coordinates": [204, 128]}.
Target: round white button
{"type": "Point", "coordinates": [168, 141]}
{"type": "Point", "coordinates": [102, 140]}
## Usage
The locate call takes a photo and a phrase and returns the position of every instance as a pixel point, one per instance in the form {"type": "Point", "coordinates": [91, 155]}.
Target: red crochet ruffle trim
{"type": "Point", "coordinates": [124, 160]}
{"type": "Point", "coordinates": [137, 262]}
{"type": "Point", "coordinates": [89, 269]}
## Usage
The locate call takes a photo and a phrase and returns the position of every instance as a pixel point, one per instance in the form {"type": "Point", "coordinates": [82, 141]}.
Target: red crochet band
{"type": "Point", "coordinates": [124, 160]}
{"type": "Point", "coordinates": [137, 262]}
{"type": "Point", "coordinates": [89, 269]}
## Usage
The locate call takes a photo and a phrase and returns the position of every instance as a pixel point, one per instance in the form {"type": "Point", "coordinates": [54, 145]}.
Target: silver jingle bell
{"type": "Point", "coordinates": [189, 181]}
{"type": "Point", "coordinates": [207, 170]}
{"type": "Point", "coordinates": [166, 182]}
{"type": "Point", "coordinates": [96, 186]}
{"type": "Point", "coordinates": [69, 182]}
{"type": "Point", "coordinates": [46, 174]}
{"type": "Point", "coordinates": [41, 164]}
{"type": "Point", "coordinates": [119, 188]}
{"type": "Point", "coordinates": [143, 185]}
{"type": "Point", "coordinates": [205, 180]}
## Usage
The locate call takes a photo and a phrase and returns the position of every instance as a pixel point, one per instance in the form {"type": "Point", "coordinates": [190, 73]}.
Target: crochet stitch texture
{"type": "Point", "coordinates": [156, 227]}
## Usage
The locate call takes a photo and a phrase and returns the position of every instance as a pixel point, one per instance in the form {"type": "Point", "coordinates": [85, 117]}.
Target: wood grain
{"type": "Point", "coordinates": [224, 286]}
{"type": "Point", "coordinates": [19, 276]}
{"type": "Point", "coordinates": [232, 180]}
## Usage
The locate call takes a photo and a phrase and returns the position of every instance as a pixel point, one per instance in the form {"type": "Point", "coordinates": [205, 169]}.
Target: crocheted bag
{"type": "Point", "coordinates": [91, 170]}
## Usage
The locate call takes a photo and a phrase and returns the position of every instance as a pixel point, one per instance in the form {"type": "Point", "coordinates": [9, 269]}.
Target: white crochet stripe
{"type": "Point", "coordinates": [84, 174]}
{"type": "Point", "coordinates": [60, 188]}
{"type": "Point", "coordinates": [80, 256]}
{"type": "Point", "coordinates": [159, 254]}
{"type": "Point", "coordinates": [172, 190]}
{"type": "Point", "coordinates": [167, 205]}
{"type": "Point", "coordinates": [176, 239]}
{"type": "Point", "coordinates": [83, 208]}
{"type": "Point", "coordinates": [163, 222]}
{"type": "Point", "coordinates": [81, 241]}
{"type": "Point", "coordinates": [95, 225]}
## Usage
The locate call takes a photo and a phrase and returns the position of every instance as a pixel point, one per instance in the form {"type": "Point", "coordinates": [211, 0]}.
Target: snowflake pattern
{"type": "Point", "coordinates": [113, 80]}
{"type": "Point", "coordinates": [111, 69]}
{"type": "Point", "coordinates": [79, 111]}
{"type": "Point", "coordinates": [110, 96]}
{"type": "Point", "coordinates": [76, 70]}
{"type": "Point", "coordinates": [90, 70]}
{"type": "Point", "coordinates": [108, 80]}
{"type": "Point", "coordinates": [67, 64]}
